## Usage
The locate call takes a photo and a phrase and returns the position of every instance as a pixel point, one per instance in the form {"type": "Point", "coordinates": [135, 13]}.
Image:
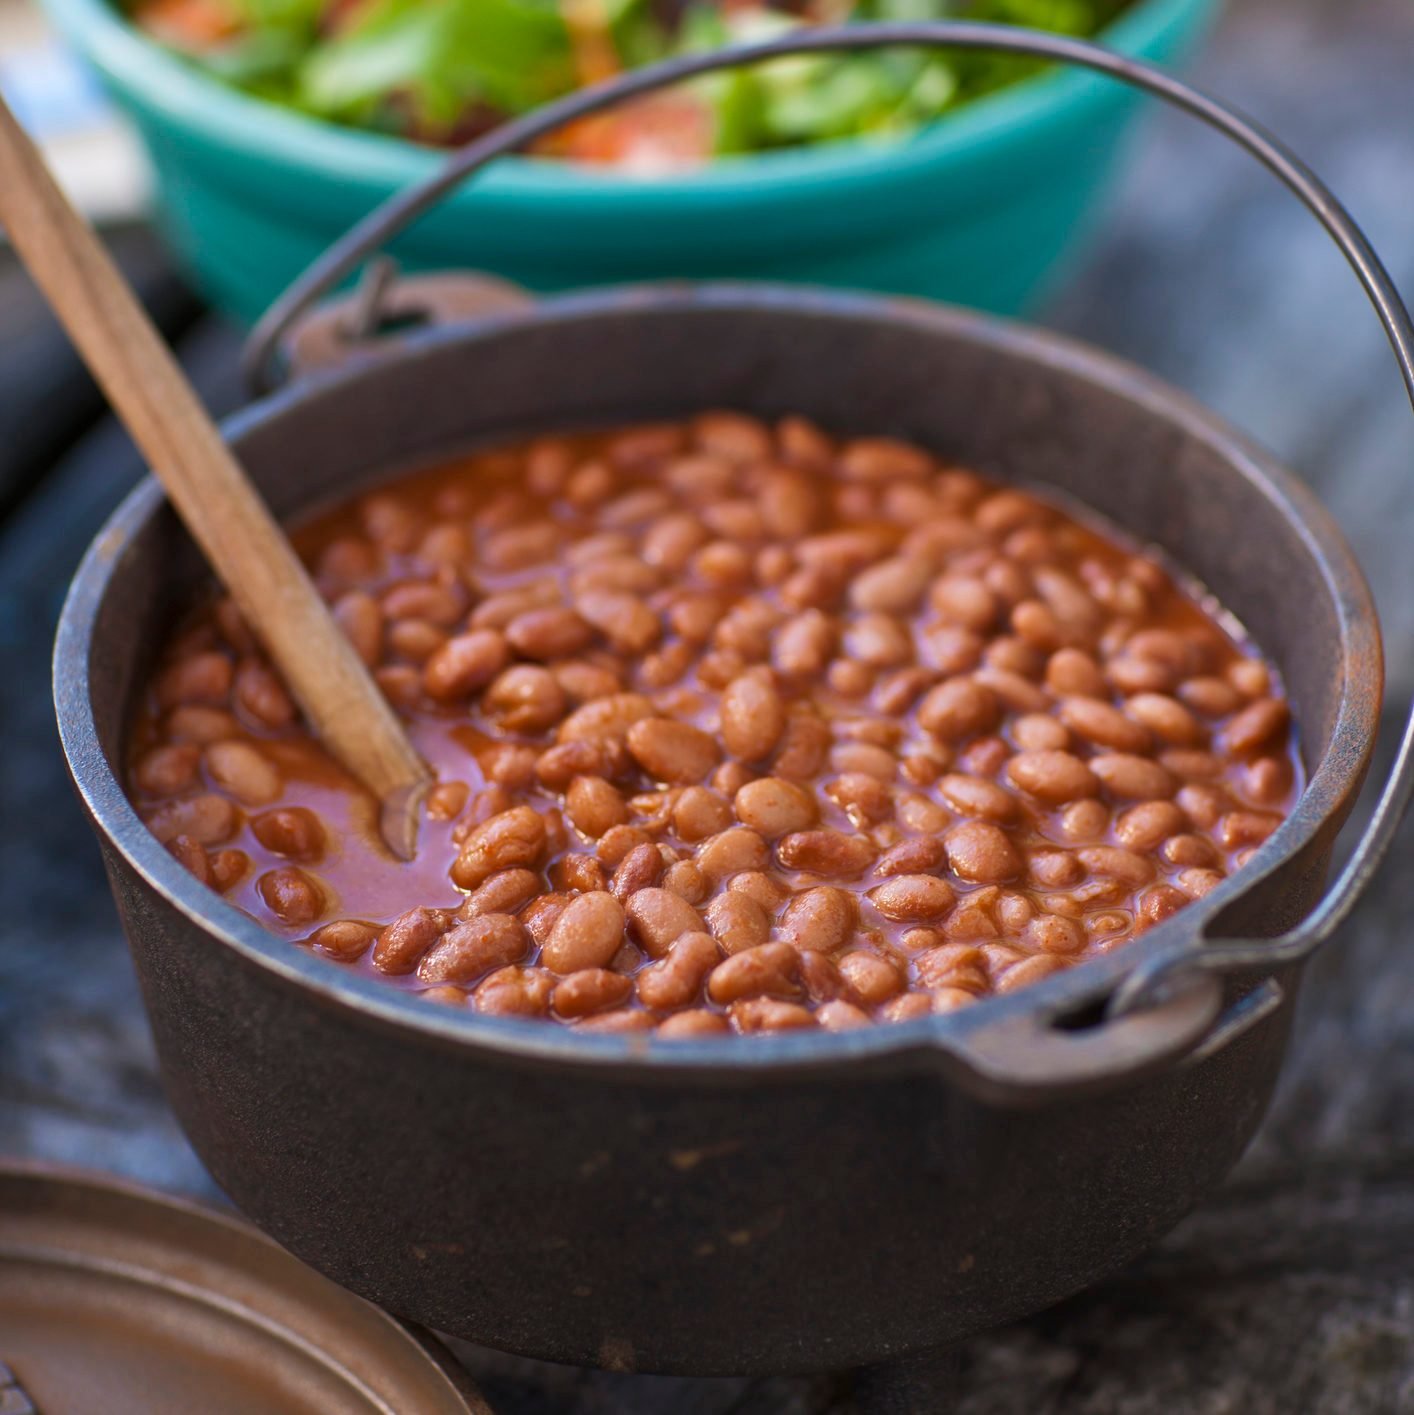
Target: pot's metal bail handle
{"type": "Point", "coordinates": [1176, 991]}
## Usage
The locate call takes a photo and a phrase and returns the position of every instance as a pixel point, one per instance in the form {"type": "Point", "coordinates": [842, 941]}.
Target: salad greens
{"type": "Point", "coordinates": [440, 71]}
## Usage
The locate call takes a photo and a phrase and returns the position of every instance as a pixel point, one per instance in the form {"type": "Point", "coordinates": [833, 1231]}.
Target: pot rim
{"type": "Point", "coordinates": [941, 1039]}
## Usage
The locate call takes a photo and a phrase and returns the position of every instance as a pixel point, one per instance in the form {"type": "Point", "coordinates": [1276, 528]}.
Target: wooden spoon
{"type": "Point", "coordinates": [221, 509]}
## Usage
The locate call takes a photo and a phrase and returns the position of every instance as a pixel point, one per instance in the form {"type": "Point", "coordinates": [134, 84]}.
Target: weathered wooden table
{"type": "Point", "coordinates": [1292, 1291]}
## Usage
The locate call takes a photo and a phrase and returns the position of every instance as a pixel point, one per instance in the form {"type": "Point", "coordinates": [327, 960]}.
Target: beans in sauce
{"type": "Point", "coordinates": [737, 728]}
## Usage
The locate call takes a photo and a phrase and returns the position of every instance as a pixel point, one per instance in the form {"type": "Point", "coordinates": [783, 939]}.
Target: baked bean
{"type": "Point", "coordinates": [164, 771]}
{"type": "Point", "coordinates": [737, 921]}
{"type": "Point", "coordinates": [578, 874]}
{"type": "Point", "coordinates": [261, 695]}
{"type": "Point", "coordinates": [891, 587]}
{"type": "Point", "coordinates": [982, 853]}
{"type": "Point", "coordinates": [292, 831]}
{"type": "Point", "coordinates": [841, 1016]}
{"type": "Point", "coordinates": [687, 1026]}
{"type": "Point", "coordinates": [1132, 778]}
{"type": "Point", "coordinates": [826, 852]}
{"type": "Point", "coordinates": [774, 807]}
{"type": "Point", "coordinates": [802, 646]}
{"type": "Point", "coordinates": [605, 718]}
{"type": "Point", "coordinates": [958, 708]}
{"type": "Point", "coordinates": [472, 949]}
{"type": "Point", "coordinates": [514, 992]}
{"type": "Point", "coordinates": [1212, 697]}
{"type": "Point", "coordinates": [199, 725]}
{"type": "Point", "coordinates": [1029, 971]}
{"type": "Point", "coordinates": [244, 771]}
{"type": "Point", "coordinates": [872, 979]}
{"type": "Point", "coordinates": [1249, 677]}
{"type": "Point", "coordinates": [1147, 826]}
{"type": "Point", "coordinates": [803, 747]}
{"type": "Point", "coordinates": [769, 893]}
{"type": "Point", "coordinates": [732, 851]}
{"type": "Point", "coordinates": [685, 878]}
{"type": "Point", "coordinates": [505, 892]}
{"type": "Point", "coordinates": [676, 978]}
{"type": "Point", "coordinates": [202, 678]}
{"type": "Point", "coordinates": [1072, 673]}
{"type": "Point", "coordinates": [1257, 727]}
{"type": "Point", "coordinates": [401, 684]}
{"type": "Point", "coordinates": [541, 914]}
{"type": "Point", "coordinates": [698, 813]}
{"type": "Point", "coordinates": [526, 699]}
{"type": "Point", "coordinates": [768, 1014]}
{"type": "Point", "coordinates": [1197, 882]}
{"type": "Point", "coordinates": [658, 917]}
{"type": "Point", "coordinates": [594, 806]}
{"type": "Point", "coordinates": [1156, 904]}
{"type": "Point", "coordinates": [228, 868]}
{"type": "Point", "coordinates": [1039, 732]}
{"type": "Point", "coordinates": [641, 868]}
{"type": "Point", "coordinates": [558, 766]}
{"type": "Point", "coordinates": [1103, 725]}
{"type": "Point", "coordinates": [912, 857]}
{"type": "Point", "coordinates": [912, 1006]}
{"type": "Point", "coordinates": [208, 819]}
{"type": "Point", "coordinates": [672, 751]}
{"type": "Point", "coordinates": [1268, 780]}
{"type": "Point", "coordinates": [720, 678]}
{"type": "Point", "coordinates": [498, 611]}
{"type": "Point", "coordinates": [464, 664]}
{"type": "Point", "coordinates": [512, 839]}
{"type": "Point", "coordinates": [447, 800]}
{"type": "Point", "coordinates": [772, 969]}
{"type": "Point", "coordinates": [1185, 850]}
{"type": "Point", "coordinates": [1084, 820]}
{"type": "Point", "coordinates": [402, 943]}
{"type": "Point", "coordinates": [913, 897]}
{"type": "Point", "coordinates": [1115, 863]}
{"type": "Point", "coordinates": [618, 843]}
{"type": "Point", "coordinates": [1054, 869]}
{"type": "Point", "coordinates": [345, 939]}
{"type": "Point", "coordinates": [975, 796]}
{"type": "Point", "coordinates": [590, 990]}
{"type": "Point", "coordinates": [1190, 765]}
{"type": "Point", "coordinates": [191, 856]}
{"type": "Point", "coordinates": [1051, 934]}
{"type": "Point", "coordinates": [587, 934]}
{"type": "Point", "coordinates": [864, 799]}
{"type": "Point", "coordinates": [1053, 777]}
{"type": "Point", "coordinates": [1240, 828]}
{"type": "Point", "coordinates": [753, 717]}
{"type": "Point", "coordinates": [1167, 719]}
{"type": "Point", "coordinates": [1203, 805]}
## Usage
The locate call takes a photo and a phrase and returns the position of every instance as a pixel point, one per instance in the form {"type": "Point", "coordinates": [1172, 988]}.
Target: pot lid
{"type": "Point", "coordinates": [118, 1299]}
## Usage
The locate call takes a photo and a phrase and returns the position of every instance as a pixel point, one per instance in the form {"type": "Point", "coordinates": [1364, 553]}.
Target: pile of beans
{"type": "Point", "coordinates": [736, 727]}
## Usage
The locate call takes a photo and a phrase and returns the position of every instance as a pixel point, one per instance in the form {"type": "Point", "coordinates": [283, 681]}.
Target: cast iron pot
{"type": "Point", "coordinates": [793, 1202]}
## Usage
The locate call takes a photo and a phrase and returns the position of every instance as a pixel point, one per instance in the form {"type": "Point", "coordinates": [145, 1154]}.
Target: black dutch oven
{"type": "Point", "coordinates": [791, 1202]}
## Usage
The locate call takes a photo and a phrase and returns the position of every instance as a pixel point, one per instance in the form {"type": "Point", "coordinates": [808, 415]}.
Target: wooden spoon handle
{"type": "Point", "coordinates": [227, 518]}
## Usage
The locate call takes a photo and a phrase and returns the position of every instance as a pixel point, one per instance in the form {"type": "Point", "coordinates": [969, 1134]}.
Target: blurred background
{"type": "Point", "coordinates": [1294, 1289]}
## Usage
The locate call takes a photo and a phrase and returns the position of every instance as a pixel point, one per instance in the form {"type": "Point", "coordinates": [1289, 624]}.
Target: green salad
{"type": "Point", "coordinates": [441, 71]}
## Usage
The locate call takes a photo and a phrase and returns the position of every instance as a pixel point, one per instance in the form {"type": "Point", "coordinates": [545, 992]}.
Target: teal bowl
{"type": "Point", "coordinates": [983, 208]}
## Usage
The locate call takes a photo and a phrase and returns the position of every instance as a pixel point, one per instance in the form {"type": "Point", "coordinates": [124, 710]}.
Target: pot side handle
{"type": "Point", "coordinates": [1168, 1005]}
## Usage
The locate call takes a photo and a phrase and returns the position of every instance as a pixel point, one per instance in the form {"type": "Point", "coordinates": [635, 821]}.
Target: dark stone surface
{"type": "Point", "coordinates": [47, 400]}
{"type": "Point", "coordinates": [1292, 1290]}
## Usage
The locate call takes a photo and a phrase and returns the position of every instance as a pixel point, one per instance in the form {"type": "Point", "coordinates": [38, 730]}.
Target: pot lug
{"type": "Point", "coordinates": [1036, 1057]}
{"type": "Point", "coordinates": [375, 320]}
